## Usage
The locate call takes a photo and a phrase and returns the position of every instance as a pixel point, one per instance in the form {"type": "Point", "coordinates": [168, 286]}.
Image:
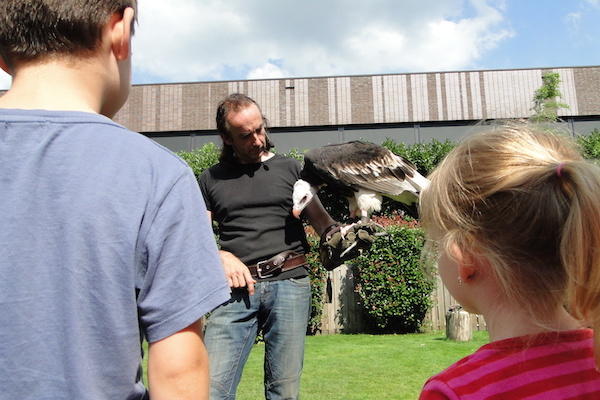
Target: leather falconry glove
{"type": "Point", "coordinates": [343, 243]}
{"type": "Point", "coordinates": [339, 243]}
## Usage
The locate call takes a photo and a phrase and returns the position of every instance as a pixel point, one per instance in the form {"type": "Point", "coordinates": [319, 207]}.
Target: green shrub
{"type": "Point", "coordinates": [590, 145]}
{"type": "Point", "coordinates": [201, 158]}
{"type": "Point", "coordinates": [318, 276]}
{"type": "Point", "coordinates": [425, 156]}
{"type": "Point", "coordinates": [393, 286]}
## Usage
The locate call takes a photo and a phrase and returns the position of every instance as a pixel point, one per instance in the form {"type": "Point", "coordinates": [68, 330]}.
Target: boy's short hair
{"type": "Point", "coordinates": [30, 29]}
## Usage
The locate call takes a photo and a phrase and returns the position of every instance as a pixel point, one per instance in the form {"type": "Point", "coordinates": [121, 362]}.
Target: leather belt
{"type": "Point", "coordinates": [277, 264]}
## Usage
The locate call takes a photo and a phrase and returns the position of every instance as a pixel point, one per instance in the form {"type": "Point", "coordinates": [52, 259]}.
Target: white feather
{"type": "Point", "coordinates": [368, 201]}
{"type": "Point", "coordinates": [302, 195]}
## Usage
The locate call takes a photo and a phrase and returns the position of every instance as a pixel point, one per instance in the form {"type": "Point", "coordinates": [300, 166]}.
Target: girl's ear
{"type": "Point", "coordinates": [470, 266]}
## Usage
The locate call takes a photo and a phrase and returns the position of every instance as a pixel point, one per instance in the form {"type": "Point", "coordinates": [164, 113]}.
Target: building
{"type": "Point", "coordinates": [412, 107]}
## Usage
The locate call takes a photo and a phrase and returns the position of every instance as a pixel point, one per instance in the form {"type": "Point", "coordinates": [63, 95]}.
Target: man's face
{"type": "Point", "coordinates": [247, 134]}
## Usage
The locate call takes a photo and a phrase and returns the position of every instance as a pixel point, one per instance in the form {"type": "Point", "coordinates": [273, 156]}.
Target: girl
{"type": "Point", "coordinates": [515, 216]}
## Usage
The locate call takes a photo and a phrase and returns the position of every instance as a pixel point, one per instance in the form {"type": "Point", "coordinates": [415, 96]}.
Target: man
{"type": "Point", "coordinates": [249, 194]}
{"type": "Point", "coordinates": [104, 239]}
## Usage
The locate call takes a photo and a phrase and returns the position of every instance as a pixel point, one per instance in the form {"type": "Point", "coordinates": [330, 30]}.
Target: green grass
{"type": "Point", "coordinates": [364, 367]}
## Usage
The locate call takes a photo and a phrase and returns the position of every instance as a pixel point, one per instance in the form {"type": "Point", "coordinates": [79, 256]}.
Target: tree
{"type": "Point", "coordinates": [545, 104]}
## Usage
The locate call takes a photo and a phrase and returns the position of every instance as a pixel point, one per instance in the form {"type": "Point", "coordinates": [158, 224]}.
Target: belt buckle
{"type": "Point", "coordinates": [259, 270]}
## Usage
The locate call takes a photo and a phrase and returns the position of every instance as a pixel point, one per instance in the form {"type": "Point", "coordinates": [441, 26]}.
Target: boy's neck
{"type": "Point", "coordinates": [57, 85]}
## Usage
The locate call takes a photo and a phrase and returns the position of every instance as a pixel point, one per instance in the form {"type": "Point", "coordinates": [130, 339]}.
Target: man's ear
{"type": "Point", "coordinates": [225, 139]}
{"type": "Point", "coordinates": [120, 26]}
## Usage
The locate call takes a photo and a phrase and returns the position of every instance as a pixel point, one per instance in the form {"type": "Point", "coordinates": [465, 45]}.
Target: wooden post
{"type": "Point", "coordinates": [342, 312]}
{"type": "Point", "coordinates": [458, 324]}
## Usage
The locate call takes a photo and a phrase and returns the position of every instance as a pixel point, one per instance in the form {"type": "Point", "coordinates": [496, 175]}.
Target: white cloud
{"type": "Point", "coordinates": [267, 71]}
{"type": "Point", "coordinates": [593, 2]}
{"type": "Point", "coordinates": [5, 80]}
{"type": "Point", "coordinates": [183, 40]}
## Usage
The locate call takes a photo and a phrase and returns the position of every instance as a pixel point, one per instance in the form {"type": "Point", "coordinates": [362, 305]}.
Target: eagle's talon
{"type": "Point", "coordinates": [345, 229]}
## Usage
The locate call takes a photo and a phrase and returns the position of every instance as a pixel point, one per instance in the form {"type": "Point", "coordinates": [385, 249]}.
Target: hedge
{"type": "Point", "coordinates": [590, 145]}
{"type": "Point", "coordinates": [394, 289]}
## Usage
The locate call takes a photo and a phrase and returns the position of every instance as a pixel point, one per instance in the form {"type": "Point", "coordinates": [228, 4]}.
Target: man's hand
{"type": "Point", "coordinates": [237, 273]}
{"type": "Point", "coordinates": [343, 243]}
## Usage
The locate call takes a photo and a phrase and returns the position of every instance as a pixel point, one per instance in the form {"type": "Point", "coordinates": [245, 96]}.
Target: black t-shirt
{"type": "Point", "coordinates": [252, 204]}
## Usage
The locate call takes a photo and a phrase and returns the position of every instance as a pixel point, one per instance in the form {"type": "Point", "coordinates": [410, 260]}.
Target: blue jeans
{"type": "Point", "coordinates": [280, 309]}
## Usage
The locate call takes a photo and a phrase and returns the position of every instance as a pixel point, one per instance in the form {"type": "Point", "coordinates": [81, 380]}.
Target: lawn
{"type": "Point", "coordinates": [364, 367]}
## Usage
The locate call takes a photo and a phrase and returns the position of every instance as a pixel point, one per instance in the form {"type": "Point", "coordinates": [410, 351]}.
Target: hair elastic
{"type": "Point", "coordinates": [559, 168]}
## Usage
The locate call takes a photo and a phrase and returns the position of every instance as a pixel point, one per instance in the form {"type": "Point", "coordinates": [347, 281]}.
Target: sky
{"type": "Point", "coordinates": [213, 40]}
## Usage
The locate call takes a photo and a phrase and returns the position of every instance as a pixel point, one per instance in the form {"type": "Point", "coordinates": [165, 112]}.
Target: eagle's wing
{"type": "Point", "coordinates": [381, 171]}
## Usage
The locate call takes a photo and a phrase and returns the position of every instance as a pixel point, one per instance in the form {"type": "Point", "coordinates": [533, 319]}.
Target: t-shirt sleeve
{"type": "Point", "coordinates": [437, 390]}
{"type": "Point", "coordinates": [297, 168]}
{"type": "Point", "coordinates": [183, 279]}
{"type": "Point", "coordinates": [203, 182]}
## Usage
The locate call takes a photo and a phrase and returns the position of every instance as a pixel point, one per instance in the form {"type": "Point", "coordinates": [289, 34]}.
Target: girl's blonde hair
{"type": "Point", "coordinates": [526, 201]}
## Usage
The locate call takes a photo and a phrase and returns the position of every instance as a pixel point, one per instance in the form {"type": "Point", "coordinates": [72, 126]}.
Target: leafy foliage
{"type": "Point", "coordinates": [201, 158]}
{"type": "Point", "coordinates": [545, 105]}
{"type": "Point", "coordinates": [318, 276]}
{"type": "Point", "coordinates": [425, 156]}
{"type": "Point", "coordinates": [393, 286]}
{"type": "Point", "coordinates": [590, 145]}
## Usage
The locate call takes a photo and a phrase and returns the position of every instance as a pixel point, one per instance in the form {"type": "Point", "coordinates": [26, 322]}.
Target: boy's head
{"type": "Point", "coordinates": [34, 29]}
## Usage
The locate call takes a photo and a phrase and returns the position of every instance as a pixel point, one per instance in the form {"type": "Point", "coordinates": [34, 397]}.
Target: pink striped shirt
{"type": "Point", "coordinates": [546, 366]}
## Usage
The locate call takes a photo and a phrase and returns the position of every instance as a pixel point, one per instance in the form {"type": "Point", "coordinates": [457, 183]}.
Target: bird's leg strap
{"type": "Point", "coordinates": [329, 232]}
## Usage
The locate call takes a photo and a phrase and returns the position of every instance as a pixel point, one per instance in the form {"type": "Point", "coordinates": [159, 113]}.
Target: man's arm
{"type": "Point", "coordinates": [178, 366]}
{"type": "Point", "coordinates": [237, 273]}
{"type": "Point", "coordinates": [317, 216]}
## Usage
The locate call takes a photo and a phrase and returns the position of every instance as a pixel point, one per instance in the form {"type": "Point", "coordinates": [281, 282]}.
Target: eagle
{"type": "Point", "coordinates": [360, 171]}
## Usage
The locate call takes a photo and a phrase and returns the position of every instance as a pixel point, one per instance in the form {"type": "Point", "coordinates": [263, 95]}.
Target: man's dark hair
{"type": "Point", "coordinates": [30, 29]}
{"type": "Point", "coordinates": [235, 102]}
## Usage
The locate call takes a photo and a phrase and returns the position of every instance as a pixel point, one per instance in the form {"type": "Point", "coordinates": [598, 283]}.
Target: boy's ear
{"type": "Point", "coordinates": [120, 25]}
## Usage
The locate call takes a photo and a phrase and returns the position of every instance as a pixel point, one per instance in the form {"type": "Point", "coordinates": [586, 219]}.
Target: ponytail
{"type": "Point", "coordinates": [580, 243]}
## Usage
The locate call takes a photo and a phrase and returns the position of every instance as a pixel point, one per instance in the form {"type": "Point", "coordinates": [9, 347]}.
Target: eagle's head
{"type": "Point", "coordinates": [302, 195]}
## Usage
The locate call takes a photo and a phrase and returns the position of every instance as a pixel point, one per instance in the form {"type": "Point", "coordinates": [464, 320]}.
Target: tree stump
{"type": "Point", "coordinates": [458, 324]}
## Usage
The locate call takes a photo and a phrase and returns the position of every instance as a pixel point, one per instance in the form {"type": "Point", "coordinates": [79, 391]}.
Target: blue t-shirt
{"type": "Point", "coordinates": [104, 238]}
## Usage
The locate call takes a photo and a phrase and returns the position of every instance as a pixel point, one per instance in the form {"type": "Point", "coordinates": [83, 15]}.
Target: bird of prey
{"type": "Point", "coordinates": [360, 171]}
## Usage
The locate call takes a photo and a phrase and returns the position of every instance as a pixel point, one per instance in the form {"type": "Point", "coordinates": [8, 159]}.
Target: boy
{"type": "Point", "coordinates": [104, 235]}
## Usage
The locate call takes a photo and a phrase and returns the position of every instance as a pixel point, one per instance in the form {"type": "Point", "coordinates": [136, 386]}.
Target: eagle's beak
{"type": "Point", "coordinates": [296, 213]}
